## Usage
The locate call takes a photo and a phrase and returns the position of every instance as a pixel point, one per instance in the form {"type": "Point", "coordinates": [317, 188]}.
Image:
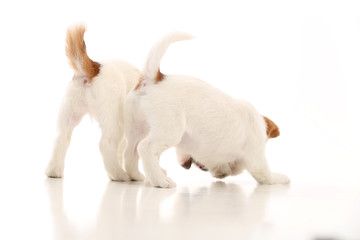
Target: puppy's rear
{"type": "Point", "coordinates": [77, 55]}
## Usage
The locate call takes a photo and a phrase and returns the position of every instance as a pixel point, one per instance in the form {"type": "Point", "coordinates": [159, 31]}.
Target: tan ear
{"type": "Point", "coordinates": [272, 130]}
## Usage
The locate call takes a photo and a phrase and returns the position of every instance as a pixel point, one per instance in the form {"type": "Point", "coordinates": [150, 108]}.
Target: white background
{"type": "Point", "coordinates": [296, 61]}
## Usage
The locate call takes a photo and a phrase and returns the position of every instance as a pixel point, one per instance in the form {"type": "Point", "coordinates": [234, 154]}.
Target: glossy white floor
{"type": "Point", "coordinates": [199, 208]}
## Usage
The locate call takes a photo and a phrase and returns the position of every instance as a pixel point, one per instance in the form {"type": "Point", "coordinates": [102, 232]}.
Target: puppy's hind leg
{"type": "Point", "coordinates": [131, 156]}
{"type": "Point", "coordinates": [150, 150]}
{"type": "Point", "coordinates": [132, 161]}
{"type": "Point", "coordinates": [112, 146]}
{"type": "Point", "coordinates": [160, 138]}
{"type": "Point", "coordinates": [135, 130]}
{"type": "Point", "coordinates": [71, 112]}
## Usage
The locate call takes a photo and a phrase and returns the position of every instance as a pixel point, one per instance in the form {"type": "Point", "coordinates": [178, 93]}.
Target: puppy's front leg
{"type": "Point", "coordinates": [257, 166]}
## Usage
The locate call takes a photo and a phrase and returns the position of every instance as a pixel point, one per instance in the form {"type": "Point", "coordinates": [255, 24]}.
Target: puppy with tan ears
{"type": "Point", "coordinates": [98, 89]}
{"type": "Point", "coordinates": [223, 134]}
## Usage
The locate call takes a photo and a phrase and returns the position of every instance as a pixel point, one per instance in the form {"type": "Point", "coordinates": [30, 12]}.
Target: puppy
{"type": "Point", "coordinates": [224, 134]}
{"type": "Point", "coordinates": [98, 89]}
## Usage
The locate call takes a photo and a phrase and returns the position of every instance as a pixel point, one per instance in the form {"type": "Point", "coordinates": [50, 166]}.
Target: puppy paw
{"type": "Point", "coordinates": [119, 176]}
{"type": "Point", "coordinates": [277, 178]}
{"type": "Point", "coordinates": [54, 172]}
{"type": "Point", "coordinates": [163, 182]}
{"type": "Point", "coordinates": [136, 176]}
{"type": "Point", "coordinates": [219, 174]}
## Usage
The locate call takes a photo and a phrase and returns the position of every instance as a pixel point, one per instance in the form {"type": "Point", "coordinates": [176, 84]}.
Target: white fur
{"type": "Point", "coordinates": [157, 52]}
{"type": "Point", "coordinates": [103, 99]}
{"type": "Point", "coordinates": [224, 134]}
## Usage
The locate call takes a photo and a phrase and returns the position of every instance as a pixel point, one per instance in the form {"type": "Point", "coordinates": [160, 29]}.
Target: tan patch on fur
{"type": "Point", "coordinates": [159, 77]}
{"type": "Point", "coordinates": [141, 80]}
{"type": "Point", "coordinates": [76, 52]}
{"type": "Point", "coordinates": [272, 130]}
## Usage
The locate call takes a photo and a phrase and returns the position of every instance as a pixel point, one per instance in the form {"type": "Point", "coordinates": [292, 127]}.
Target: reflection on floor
{"type": "Point", "coordinates": [200, 210]}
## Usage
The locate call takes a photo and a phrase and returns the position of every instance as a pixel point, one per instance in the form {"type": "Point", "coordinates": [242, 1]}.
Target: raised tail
{"type": "Point", "coordinates": [76, 52]}
{"type": "Point", "coordinates": [152, 66]}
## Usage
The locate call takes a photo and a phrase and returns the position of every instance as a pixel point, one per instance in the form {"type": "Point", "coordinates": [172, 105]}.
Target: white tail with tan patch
{"type": "Point", "coordinates": [77, 54]}
{"type": "Point", "coordinates": [152, 67]}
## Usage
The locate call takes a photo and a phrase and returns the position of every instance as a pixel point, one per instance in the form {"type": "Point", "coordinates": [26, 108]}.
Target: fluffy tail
{"type": "Point", "coordinates": [76, 52]}
{"type": "Point", "coordinates": [152, 66]}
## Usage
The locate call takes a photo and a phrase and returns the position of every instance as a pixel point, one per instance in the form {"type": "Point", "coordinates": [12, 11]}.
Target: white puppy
{"type": "Point", "coordinates": [221, 133]}
{"type": "Point", "coordinates": [98, 89]}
